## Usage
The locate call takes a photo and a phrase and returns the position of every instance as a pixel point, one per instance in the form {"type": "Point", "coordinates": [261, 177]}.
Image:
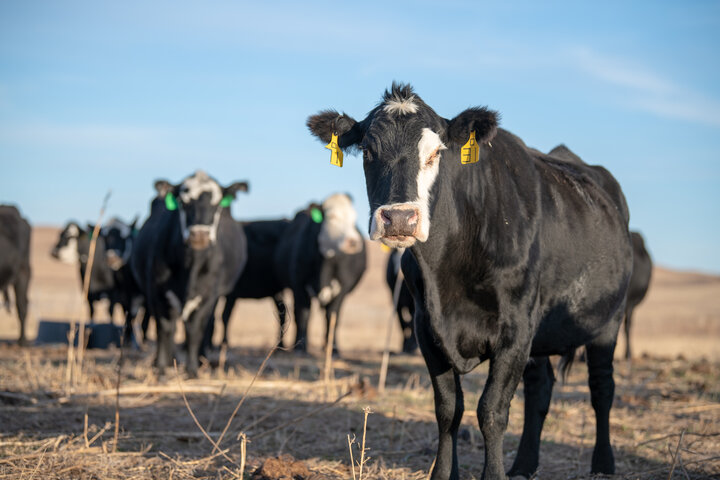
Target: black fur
{"type": "Point", "coordinates": [15, 272]}
{"type": "Point", "coordinates": [528, 255]}
{"type": "Point", "coordinates": [299, 266]}
{"type": "Point", "coordinates": [102, 279]}
{"type": "Point", "coordinates": [639, 283]}
{"type": "Point", "coordinates": [170, 273]}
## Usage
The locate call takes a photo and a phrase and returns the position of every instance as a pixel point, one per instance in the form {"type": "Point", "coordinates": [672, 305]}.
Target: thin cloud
{"type": "Point", "coordinates": [647, 90]}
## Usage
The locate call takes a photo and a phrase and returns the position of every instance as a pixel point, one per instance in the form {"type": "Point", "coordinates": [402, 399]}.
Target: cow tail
{"type": "Point", "coordinates": [566, 362]}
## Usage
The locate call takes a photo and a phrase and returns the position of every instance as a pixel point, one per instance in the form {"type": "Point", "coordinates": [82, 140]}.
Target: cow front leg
{"type": "Point", "coordinates": [302, 318]}
{"type": "Point", "coordinates": [538, 379]}
{"type": "Point", "coordinates": [602, 391]}
{"type": "Point", "coordinates": [165, 342]}
{"type": "Point", "coordinates": [332, 308]}
{"type": "Point", "coordinates": [506, 368]}
{"type": "Point", "coordinates": [282, 315]}
{"type": "Point", "coordinates": [449, 405]}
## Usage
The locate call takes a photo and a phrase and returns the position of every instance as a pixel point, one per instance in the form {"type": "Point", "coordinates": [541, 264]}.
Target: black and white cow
{"type": "Point", "coordinates": [639, 283]}
{"type": "Point", "coordinates": [15, 261]}
{"type": "Point", "coordinates": [186, 256]}
{"type": "Point", "coordinates": [73, 246]}
{"type": "Point", "coordinates": [321, 254]}
{"type": "Point", "coordinates": [258, 279]}
{"type": "Point", "coordinates": [517, 256]}
{"type": "Point", "coordinates": [405, 306]}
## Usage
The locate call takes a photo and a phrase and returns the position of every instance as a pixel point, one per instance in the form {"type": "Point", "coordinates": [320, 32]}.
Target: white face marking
{"type": "Point", "coordinates": [69, 253]}
{"type": "Point", "coordinates": [429, 144]}
{"type": "Point", "coordinates": [190, 306]}
{"type": "Point", "coordinates": [401, 106]}
{"type": "Point", "coordinates": [338, 230]}
{"type": "Point", "coordinates": [195, 185]}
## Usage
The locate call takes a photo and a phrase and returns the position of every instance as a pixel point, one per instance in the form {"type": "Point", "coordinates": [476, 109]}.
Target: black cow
{"type": "Point", "coordinates": [15, 261]}
{"type": "Point", "coordinates": [184, 257]}
{"type": "Point", "coordinates": [119, 237]}
{"type": "Point", "coordinates": [405, 306]}
{"type": "Point", "coordinates": [518, 256]}
{"type": "Point", "coordinates": [258, 279]}
{"type": "Point", "coordinates": [73, 246]}
{"type": "Point", "coordinates": [639, 283]}
{"type": "Point", "coordinates": [321, 254]}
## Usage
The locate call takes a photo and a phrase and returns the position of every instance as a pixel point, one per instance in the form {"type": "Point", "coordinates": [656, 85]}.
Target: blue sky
{"type": "Point", "coordinates": [112, 95]}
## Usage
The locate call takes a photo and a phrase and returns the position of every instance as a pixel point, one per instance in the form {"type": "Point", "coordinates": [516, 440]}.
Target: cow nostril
{"type": "Point", "coordinates": [385, 217]}
{"type": "Point", "coordinates": [413, 219]}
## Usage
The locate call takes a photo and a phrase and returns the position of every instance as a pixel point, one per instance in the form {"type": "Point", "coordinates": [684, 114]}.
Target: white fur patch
{"type": "Point", "coordinates": [69, 253]}
{"type": "Point", "coordinates": [197, 184]}
{"type": "Point", "coordinates": [401, 106]}
{"type": "Point", "coordinates": [329, 292]}
{"type": "Point", "coordinates": [338, 232]}
{"type": "Point", "coordinates": [429, 143]}
{"type": "Point", "coordinates": [190, 306]}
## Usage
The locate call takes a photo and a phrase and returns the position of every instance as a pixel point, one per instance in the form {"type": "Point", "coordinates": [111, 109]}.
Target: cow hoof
{"type": "Point", "coordinates": [520, 473]}
{"type": "Point", "coordinates": [603, 461]}
{"type": "Point", "coordinates": [23, 342]}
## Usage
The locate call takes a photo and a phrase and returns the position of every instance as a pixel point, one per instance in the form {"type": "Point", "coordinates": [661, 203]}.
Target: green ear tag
{"type": "Point", "coordinates": [170, 202]}
{"type": "Point", "coordinates": [316, 215]}
{"type": "Point", "coordinates": [226, 201]}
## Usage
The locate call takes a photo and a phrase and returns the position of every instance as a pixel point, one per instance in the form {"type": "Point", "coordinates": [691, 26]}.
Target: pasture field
{"type": "Point", "coordinates": [291, 424]}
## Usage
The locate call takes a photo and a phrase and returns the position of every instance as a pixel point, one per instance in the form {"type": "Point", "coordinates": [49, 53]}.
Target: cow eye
{"type": "Point", "coordinates": [433, 158]}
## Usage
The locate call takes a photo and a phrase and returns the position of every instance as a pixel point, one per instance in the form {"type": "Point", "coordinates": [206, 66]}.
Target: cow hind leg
{"type": "Point", "coordinates": [302, 318]}
{"type": "Point", "coordinates": [602, 390]}
{"type": "Point", "coordinates": [21, 300]}
{"type": "Point", "coordinates": [226, 314]}
{"type": "Point", "coordinates": [538, 379]}
{"type": "Point", "coordinates": [628, 324]}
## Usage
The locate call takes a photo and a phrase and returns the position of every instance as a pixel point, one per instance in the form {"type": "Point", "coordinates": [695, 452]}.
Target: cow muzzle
{"type": "Point", "coordinates": [113, 260]}
{"type": "Point", "coordinates": [199, 237]}
{"type": "Point", "coordinates": [397, 226]}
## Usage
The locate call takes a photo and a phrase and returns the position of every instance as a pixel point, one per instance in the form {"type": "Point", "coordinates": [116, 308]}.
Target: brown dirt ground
{"type": "Point", "coordinates": [667, 400]}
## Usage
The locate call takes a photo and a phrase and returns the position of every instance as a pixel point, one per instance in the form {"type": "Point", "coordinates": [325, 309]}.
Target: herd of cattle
{"type": "Point", "coordinates": [507, 254]}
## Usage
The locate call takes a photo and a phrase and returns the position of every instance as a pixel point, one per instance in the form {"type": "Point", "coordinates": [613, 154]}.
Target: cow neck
{"type": "Point", "coordinates": [482, 209]}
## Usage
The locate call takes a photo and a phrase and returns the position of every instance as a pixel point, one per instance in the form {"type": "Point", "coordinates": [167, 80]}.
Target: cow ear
{"type": "Point", "coordinates": [162, 187]}
{"type": "Point", "coordinates": [480, 120]}
{"type": "Point", "coordinates": [327, 122]}
{"type": "Point", "coordinates": [230, 191]}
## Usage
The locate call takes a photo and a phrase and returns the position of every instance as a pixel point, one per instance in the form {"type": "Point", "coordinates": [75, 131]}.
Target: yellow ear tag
{"type": "Point", "coordinates": [470, 152]}
{"type": "Point", "coordinates": [385, 248]}
{"type": "Point", "coordinates": [336, 157]}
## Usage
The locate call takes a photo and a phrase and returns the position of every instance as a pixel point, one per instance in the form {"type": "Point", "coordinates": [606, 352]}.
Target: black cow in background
{"type": "Point", "coordinates": [639, 283]}
{"type": "Point", "coordinates": [405, 307]}
{"type": "Point", "coordinates": [73, 246]}
{"type": "Point", "coordinates": [515, 256]}
{"type": "Point", "coordinates": [185, 257]}
{"type": "Point", "coordinates": [258, 279]}
{"type": "Point", "coordinates": [15, 234]}
{"type": "Point", "coordinates": [119, 237]}
{"type": "Point", "coordinates": [321, 254]}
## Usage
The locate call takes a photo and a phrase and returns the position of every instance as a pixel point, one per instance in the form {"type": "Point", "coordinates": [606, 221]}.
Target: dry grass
{"type": "Point", "coordinates": [666, 419]}
{"type": "Point", "coordinates": [665, 422]}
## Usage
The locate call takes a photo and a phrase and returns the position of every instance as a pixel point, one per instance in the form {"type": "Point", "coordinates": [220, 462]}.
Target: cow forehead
{"type": "Point", "coordinates": [72, 230]}
{"type": "Point", "coordinates": [197, 184]}
{"type": "Point", "coordinates": [117, 225]}
{"type": "Point", "coordinates": [339, 212]}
